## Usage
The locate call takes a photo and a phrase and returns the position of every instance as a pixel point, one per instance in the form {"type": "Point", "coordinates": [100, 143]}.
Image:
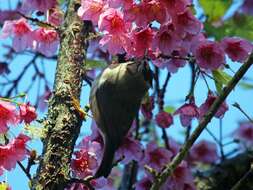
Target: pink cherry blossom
{"type": "Point", "coordinates": [156, 11]}
{"type": "Point", "coordinates": [142, 41]}
{"type": "Point", "coordinates": [115, 43]}
{"type": "Point", "coordinates": [21, 33]}
{"type": "Point", "coordinates": [204, 151]}
{"type": "Point", "coordinates": [176, 6]}
{"type": "Point", "coordinates": [91, 10]}
{"type": "Point", "coordinates": [55, 17]}
{"type": "Point", "coordinates": [40, 5]}
{"type": "Point", "coordinates": [8, 15]}
{"type": "Point", "coordinates": [181, 178]}
{"type": "Point", "coordinates": [164, 119]}
{"type": "Point", "coordinates": [8, 116]}
{"type": "Point", "coordinates": [156, 157]}
{"type": "Point", "coordinates": [187, 22]}
{"type": "Point", "coordinates": [244, 133]}
{"type": "Point", "coordinates": [100, 183]}
{"type": "Point", "coordinates": [27, 113]}
{"type": "Point", "coordinates": [47, 41]}
{"type": "Point", "coordinates": [237, 49]}
{"type": "Point", "coordinates": [144, 184]}
{"type": "Point", "coordinates": [112, 21]}
{"type": "Point", "coordinates": [209, 55]}
{"type": "Point", "coordinates": [207, 104]}
{"type": "Point", "coordinates": [130, 149]}
{"type": "Point", "coordinates": [13, 152]}
{"type": "Point", "coordinates": [187, 112]}
{"type": "Point", "coordinates": [120, 3]}
{"type": "Point", "coordinates": [175, 62]}
{"type": "Point", "coordinates": [84, 163]}
{"type": "Point", "coordinates": [247, 7]}
{"type": "Point", "coordinates": [18, 146]}
{"type": "Point", "coordinates": [135, 13]}
{"type": "Point", "coordinates": [86, 159]}
{"type": "Point", "coordinates": [166, 39]}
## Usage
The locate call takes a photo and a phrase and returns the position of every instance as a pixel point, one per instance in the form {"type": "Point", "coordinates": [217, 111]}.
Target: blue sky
{"type": "Point", "coordinates": [176, 91]}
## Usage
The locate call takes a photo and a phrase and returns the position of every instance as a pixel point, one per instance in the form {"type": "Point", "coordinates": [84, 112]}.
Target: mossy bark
{"type": "Point", "coordinates": [63, 122]}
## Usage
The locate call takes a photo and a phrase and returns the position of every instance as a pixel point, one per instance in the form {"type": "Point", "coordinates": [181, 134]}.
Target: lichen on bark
{"type": "Point", "coordinates": [63, 122]}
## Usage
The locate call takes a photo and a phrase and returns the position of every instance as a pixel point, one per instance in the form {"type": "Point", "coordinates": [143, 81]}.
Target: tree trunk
{"type": "Point", "coordinates": [63, 122]}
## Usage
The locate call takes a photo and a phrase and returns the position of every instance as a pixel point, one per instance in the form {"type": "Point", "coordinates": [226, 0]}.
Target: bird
{"type": "Point", "coordinates": [115, 99]}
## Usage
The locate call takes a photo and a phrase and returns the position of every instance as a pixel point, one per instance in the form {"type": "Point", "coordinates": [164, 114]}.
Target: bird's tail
{"type": "Point", "coordinates": [107, 160]}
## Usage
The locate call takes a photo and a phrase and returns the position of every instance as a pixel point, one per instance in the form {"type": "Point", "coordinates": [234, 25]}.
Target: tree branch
{"type": "Point", "coordinates": [63, 120]}
{"type": "Point", "coordinates": [168, 170]}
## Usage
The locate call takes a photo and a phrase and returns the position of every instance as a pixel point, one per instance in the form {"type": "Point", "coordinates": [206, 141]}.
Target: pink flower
{"type": "Point", "coordinates": [204, 151]}
{"type": "Point", "coordinates": [187, 112]}
{"type": "Point", "coordinates": [115, 43]}
{"type": "Point", "coordinates": [130, 149]}
{"type": "Point", "coordinates": [99, 183]}
{"type": "Point", "coordinates": [247, 7]}
{"type": "Point", "coordinates": [84, 163]}
{"type": "Point", "coordinates": [47, 41]}
{"type": "Point", "coordinates": [156, 157]}
{"type": "Point", "coordinates": [175, 62]}
{"type": "Point", "coordinates": [208, 103]}
{"type": "Point", "coordinates": [187, 22]}
{"type": "Point", "coordinates": [164, 119]}
{"type": "Point", "coordinates": [27, 113]}
{"type": "Point", "coordinates": [209, 55]}
{"type": "Point", "coordinates": [244, 133]}
{"type": "Point", "coordinates": [144, 184]}
{"type": "Point", "coordinates": [86, 159]}
{"type": "Point", "coordinates": [21, 32]}
{"type": "Point", "coordinates": [180, 178]}
{"type": "Point", "coordinates": [166, 39]}
{"type": "Point", "coordinates": [118, 3]}
{"type": "Point", "coordinates": [8, 116]}
{"type": "Point", "coordinates": [55, 16]}
{"type": "Point", "coordinates": [112, 21]}
{"type": "Point", "coordinates": [40, 5]}
{"type": "Point", "coordinates": [176, 6]}
{"type": "Point", "coordinates": [156, 11]}
{"type": "Point", "coordinates": [91, 10]}
{"type": "Point", "coordinates": [18, 146]}
{"type": "Point", "coordinates": [142, 41]}
{"type": "Point", "coordinates": [13, 152]}
{"type": "Point", "coordinates": [237, 49]}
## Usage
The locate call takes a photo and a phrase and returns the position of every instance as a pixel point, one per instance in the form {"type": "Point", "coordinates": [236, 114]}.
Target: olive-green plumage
{"type": "Point", "coordinates": [115, 100]}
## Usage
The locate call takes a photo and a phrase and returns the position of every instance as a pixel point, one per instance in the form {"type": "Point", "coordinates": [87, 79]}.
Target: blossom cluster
{"type": "Point", "coordinates": [89, 154]}
{"type": "Point", "coordinates": [169, 29]}
{"type": "Point", "coordinates": [44, 40]}
{"type": "Point", "coordinates": [187, 112]}
{"type": "Point", "coordinates": [15, 150]}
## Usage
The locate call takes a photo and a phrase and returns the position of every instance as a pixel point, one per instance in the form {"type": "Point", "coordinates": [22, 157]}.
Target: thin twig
{"type": "Point", "coordinates": [24, 170]}
{"type": "Point", "coordinates": [236, 105]}
{"type": "Point", "coordinates": [168, 170]}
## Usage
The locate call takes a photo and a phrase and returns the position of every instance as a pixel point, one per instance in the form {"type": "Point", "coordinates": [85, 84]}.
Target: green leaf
{"type": "Point", "coordinates": [169, 109]}
{"type": "Point", "coordinates": [94, 64]}
{"type": "Point", "coordinates": [239, 25]}
{"type": "Point", "coordinates": [215, 9]}
{"type": "Point", "coordinates": [221, 79]}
